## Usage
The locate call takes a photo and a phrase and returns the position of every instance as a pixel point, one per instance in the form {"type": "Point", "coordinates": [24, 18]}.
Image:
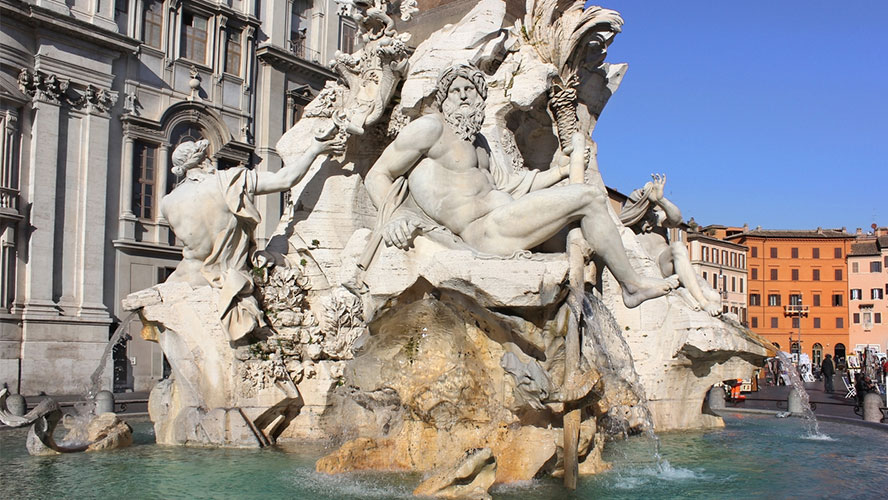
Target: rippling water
{"type": "Point", "coordinates": [753, 457]}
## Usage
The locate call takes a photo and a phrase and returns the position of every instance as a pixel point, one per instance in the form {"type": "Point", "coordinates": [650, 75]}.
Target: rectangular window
{"type": "Point", "coordinates": [152, 23]}
{"type": "Point", "coordinates": [724, 259]}
{"type": "Point", "coordinates": [795, 299]}
{"type": "Point", "coordinates": [773, 275]}
{"type": "Point", "coordinates": [754, 251]}
{"type": "Point", "coordinates": [885, 265]}
{"type": "Point", "coordinates": [815, 275]}
{"type": "Point", "coordinates": [840, 322]}
{"type": "Point", "coordinates": [856, 294]}
{"type": "Point", "coordinates": [773, 252]}
{"type": "Point", "coordinates": [855, 318]}
{"type": "Point", "coordinates": [741, 285]}
{"type": "Point", "coordinates": [705, 276]}
{"type": "Point", "coordinates": [816, 322]}
{"type": "Point", "coordinates": [855, 267]}
{"type": "Point", "coordinates": [144, 164]}
{"type": "Point", "coordinates": [794, 252]}
{"type": "Point", "coordinates": [233, 52]}
{"type": "Point", "coordinates": [755, 299]}
{"type": "Point", "coordinates": [774, 322]}
{"type": "Point", "coordinates": [876, 293]}
{"type": "Point", "coordinates": [795, 322]}
{"type": "Point", "coordinates": [733, 259]}
{"type": "Point", "coordinates": [875, 267]}
{"type": "Point", "coordinates": [838, 275]}
{"type": "Point", "coordinates": [347, 34]}
{"type": "Point", "coordinates": [837, 300]}
{"type": "Point", "coordinates": [774, 299]}
{"type": "Point", "coordinates": [194, 38]}
{"type": "Point", "coordinates": [754, 273]}
{"type": "Point", "coordinates": [838, 253]}
{"type": "Point", "coordinates": [816, 300]}
{"type": "Point", "coordinates": [734, 284]}
{"type": "Point", "coordinates": [877, 317]}
{"type": "Point", "coordinates": [795, 274]}
{"type": "Point", "coordinates": [755, 321]}
{"type": "Point", "coordinates": [715, 281]}
{"type": "Point", "coordinates": [815, 253]}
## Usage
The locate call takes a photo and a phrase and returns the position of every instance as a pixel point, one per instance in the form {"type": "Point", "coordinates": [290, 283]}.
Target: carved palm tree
{"type": "Point", "coordinates": [567, 36]}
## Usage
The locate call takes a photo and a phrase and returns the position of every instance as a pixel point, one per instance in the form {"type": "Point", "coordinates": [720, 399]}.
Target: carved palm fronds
{"type": "Point", "coordinates": [566, 35]}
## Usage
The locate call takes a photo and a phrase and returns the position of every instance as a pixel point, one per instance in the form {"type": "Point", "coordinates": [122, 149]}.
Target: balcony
{"type": "Point", "coordinates": [9, 204]}
{"type": "Point", "coordinates": [298, 46]}
{"type": "Point", "coordinates": [795, 310]}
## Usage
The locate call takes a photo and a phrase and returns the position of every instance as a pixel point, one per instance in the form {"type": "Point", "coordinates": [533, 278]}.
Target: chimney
{"type": "Point", "coordinates": [819, 230]}
{"type": "Point", "coordinates": [745, 227]}
{"type": "Point", "coordinates": [859, 231]}
{"type": "Point", "coordinates": [844, 229]}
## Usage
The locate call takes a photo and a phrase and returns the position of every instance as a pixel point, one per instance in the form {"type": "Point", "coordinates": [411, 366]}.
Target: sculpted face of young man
{"type": "Point", "coordinates": [447, 171]}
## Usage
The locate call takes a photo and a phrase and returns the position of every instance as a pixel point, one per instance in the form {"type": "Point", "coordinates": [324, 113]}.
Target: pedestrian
{"type": "Point", "coordinates": [827, 369]}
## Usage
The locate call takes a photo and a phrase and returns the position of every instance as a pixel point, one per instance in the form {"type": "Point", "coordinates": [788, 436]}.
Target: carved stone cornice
{"type": "Point", "coordinates": [44, 87]}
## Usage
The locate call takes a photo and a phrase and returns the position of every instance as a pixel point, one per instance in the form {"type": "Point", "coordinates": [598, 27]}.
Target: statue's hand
{"type": "Point", "coordinates": [400, 231]}
{"type": "Point", "coordinates": [657, 186]}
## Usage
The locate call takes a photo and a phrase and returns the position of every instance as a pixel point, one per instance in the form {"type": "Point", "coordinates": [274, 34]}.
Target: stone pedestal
{"type": "Point", "coordinates": [871, 403]}
{"type": "Point", "coordinates": [794, 402]}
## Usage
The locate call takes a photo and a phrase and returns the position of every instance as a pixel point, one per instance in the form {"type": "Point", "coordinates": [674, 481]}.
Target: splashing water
{"type": "Point", "coordinates": [95, 380]}
{"type": "Point", "coordinates": [608, 351]}
{"type": "Point", "coordinates": [811, 424]}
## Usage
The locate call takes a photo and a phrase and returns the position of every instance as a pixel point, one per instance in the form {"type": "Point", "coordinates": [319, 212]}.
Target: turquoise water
{"type": "Point", "coordinates": [753, 457]}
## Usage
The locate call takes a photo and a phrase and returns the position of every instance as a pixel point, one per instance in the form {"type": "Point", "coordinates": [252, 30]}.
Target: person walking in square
{"type": "Point", "coordinates": [827, 369]}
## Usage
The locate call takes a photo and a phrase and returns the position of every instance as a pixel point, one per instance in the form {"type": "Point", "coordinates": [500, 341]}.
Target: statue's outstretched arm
{"type": "Point", "coordinates": [287, 177]}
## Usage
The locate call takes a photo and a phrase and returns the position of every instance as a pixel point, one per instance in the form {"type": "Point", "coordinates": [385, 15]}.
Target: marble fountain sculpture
{"type": "Point", "coordinates": [449, 290]}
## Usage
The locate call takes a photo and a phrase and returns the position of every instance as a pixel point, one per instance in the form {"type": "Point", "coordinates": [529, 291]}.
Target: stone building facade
{"type": "Point", "coordinates": [867, 292]}
{"type": "Point", "coordinates": [722, 264]}
{"type": "Point", "coordinates": [94, 97]}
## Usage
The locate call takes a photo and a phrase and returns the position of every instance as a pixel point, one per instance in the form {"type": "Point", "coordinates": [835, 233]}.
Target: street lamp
{"type": "Point", "coordinates": [796, 310]}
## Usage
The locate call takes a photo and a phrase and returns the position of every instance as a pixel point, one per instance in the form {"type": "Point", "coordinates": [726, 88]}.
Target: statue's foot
{"type": "Point", "coordinates": [647, 288]}
{"type": "Point", "coordinates": [712, 309]}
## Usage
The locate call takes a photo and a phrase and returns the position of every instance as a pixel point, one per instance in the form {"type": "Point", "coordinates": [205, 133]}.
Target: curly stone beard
{"type": "Point", "coordinates": [464, 121]}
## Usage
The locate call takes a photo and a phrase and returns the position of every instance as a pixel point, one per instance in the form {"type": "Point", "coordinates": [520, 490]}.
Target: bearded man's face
{"type": "Point", "coordinates": [463, 109]}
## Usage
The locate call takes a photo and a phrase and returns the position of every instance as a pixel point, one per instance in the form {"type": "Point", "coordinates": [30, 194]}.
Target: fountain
{"type": "Point", "coordinates": [416, 313]}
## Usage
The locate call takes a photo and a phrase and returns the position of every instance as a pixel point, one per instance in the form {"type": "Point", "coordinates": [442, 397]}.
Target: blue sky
{"type": "Point", "coordinates": [771, 113]}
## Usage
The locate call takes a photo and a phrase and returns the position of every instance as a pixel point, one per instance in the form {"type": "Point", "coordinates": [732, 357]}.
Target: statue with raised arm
{"type": "Point", "coordinates": [444, 164]}
{"type": "Point", "coordinates": [213, 213]}
{"type": "Point", "coordinates": [650, 214]}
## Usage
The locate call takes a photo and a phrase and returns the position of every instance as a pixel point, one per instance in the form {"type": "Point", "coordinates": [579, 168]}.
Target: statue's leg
{"type": "Point", "coordinates": [681, 262]}
{"type": "Point", "coordinates": [537, 216]}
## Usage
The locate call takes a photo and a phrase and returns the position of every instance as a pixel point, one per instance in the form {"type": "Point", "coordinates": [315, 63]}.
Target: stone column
{"type": "Point", "coordinates": [41, 195]}
{"type": "Point", "coordinates": [127, 217]}
{"type": "Point", "coordinates": [163, 171]}
{"type": "Point", "coordinates": [90, 259]}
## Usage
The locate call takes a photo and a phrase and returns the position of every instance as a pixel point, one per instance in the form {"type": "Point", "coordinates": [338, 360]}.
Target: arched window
{"type": "Point", "coordinates": [816, 354]}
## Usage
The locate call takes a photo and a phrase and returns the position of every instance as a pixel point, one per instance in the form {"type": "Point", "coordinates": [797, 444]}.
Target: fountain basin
{"type": "Point", "coordinates": [752, 457]}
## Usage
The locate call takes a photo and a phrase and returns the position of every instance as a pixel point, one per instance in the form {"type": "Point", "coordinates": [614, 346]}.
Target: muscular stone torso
{"type": "Point", "coordinates": [452, 184]}
{"type": "Point", "coordinates": [199, 214]}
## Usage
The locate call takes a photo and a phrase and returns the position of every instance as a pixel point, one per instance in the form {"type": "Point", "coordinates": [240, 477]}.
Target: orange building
{"type": "Point", "coordinates": [799, 272]}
